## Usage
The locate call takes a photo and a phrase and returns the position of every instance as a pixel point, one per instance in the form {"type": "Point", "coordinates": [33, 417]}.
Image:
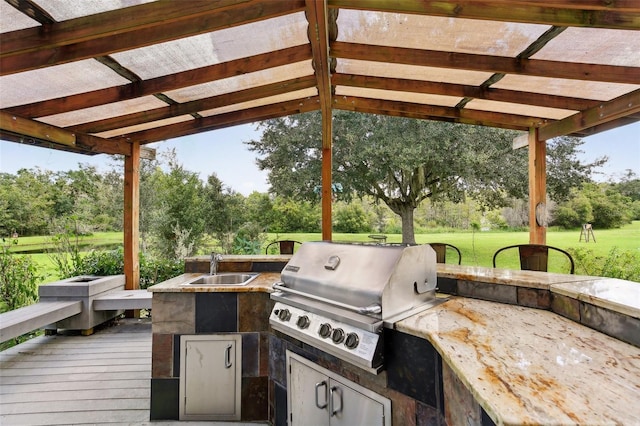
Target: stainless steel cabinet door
{"type": "Point", "coordinates": [348, 407]}
{"type": "Point", "coordinates": [308, 395]}
{"type": "Point", "coordinates": [318, 397]}
{"type": "Point", "coordinates": [210, 377]}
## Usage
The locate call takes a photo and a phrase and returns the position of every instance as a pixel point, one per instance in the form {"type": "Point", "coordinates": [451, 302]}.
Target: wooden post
{"type": "Point", "coordinates": [326, 194]}
{"type": "Point", "coordinates": [537, 189]}
{"type": "Point", "coordinates": [132, 218]}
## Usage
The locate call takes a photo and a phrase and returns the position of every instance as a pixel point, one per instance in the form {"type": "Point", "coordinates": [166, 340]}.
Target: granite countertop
{"type": "Point", "coordinates": [530, 366]}
{"type": "Point", "coordinates": [262, 283]}
{"type": "Point", "coordinates": [610, 293]}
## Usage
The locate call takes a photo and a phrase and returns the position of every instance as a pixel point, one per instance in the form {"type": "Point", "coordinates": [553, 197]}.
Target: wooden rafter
{"type": "Point", "coordinates": [487, 63]}
{"type": "Point", "coordinates": [164, 83]}
{"type": "Point", "coordinates": [617, 108]}
{"type": "Point", "coordinates": [621, 14]}
{"type": "Point", "coordinates": [197, 105]}
{"type": "Point", "coordinates": [128, 28]}
{"type": "Point", "coordinates": [435, 112]}
{"type": "Point", "coordinates": [221, 121]}
{"type": "Point", "coordinates": [450, 89]}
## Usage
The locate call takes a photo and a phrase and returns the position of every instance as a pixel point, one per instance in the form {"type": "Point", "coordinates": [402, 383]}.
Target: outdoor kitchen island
{"type": "Point", "coordinates": [521, 357]}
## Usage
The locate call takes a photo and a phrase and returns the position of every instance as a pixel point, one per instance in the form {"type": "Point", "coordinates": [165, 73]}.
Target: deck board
{"type": "Point", "coordinates": [104, 378]}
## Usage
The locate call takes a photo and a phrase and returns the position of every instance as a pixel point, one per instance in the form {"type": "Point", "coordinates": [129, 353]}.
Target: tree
{"type": "Point", "coordinates": [403, 161]}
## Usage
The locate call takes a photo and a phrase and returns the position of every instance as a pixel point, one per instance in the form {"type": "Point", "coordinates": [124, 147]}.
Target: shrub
{"type": "Point", "coordinates": [18, 280]}
{"type": "Point", "coordinates": [152, 270]}
{"type": "Point", "coordinates": [351, 219]}
{"type": "Point", "coordinates": [616, 264]}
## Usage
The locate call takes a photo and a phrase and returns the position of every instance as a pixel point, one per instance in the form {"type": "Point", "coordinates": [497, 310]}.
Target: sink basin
{"type": "Point", "coordinates": [224, 279]}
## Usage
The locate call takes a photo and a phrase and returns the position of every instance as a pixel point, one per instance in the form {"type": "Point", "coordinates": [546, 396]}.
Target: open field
{"type": "Point", "coordinates": [477, 248]}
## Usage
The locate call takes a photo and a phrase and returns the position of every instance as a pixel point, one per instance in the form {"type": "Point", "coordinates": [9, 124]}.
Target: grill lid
{"type": "Point", "coordinates": [379, 281]}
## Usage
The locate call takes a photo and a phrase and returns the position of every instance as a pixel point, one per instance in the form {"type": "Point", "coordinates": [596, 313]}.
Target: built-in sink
{"type": "Point", "coordinates": [243, 278]}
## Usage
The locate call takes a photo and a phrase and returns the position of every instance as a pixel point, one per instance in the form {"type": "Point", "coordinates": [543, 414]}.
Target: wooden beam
{"type": "Point", "coordinates": [221, 121]}
{"type": "Point", "coordinates": [537, 189]}
{"type": "Point", "coordinates": [462, 90]}
{"type": "Point", "coordinates": [436, 112]}
{"type": "Point", "coordinates": [605, 112]}
{"type": "Point", "coordinates": [487, 63]}
{"type": "Point", "coordinates": [15, 124]}
{"type": "Point", "coordinates": [319, 38]}
{"type": "Point", "coordinates": [197, 105]}
{"type": "Point", "coordinates": [129, 28]}
{"type": "Point", "coordinates": [147, 153]}
{"type": "Point", "coordinates": [132, 218]}
{"type": "Point", "coordinates": [165, 83]}
{"type": "Point", "coordinates": [622, 14]}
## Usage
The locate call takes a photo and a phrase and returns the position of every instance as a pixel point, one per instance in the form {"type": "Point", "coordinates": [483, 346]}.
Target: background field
{"type": "Point", "coordinates": [477, 248]}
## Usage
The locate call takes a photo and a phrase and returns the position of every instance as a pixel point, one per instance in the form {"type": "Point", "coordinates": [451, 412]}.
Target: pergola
{"type": "Point", "coordinates": [111, 76]}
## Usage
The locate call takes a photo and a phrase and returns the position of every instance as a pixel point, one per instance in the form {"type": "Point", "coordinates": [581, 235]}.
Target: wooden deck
{"type": "Point", "coordinates": [72, 379]}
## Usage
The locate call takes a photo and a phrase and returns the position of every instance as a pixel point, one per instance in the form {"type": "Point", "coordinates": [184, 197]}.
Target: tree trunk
{"type": "Point", "coordinates": [406, 215]}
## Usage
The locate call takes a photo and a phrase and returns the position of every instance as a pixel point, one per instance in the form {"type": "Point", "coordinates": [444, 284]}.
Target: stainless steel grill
{"type": "Point", "coordinates": [338, 297]}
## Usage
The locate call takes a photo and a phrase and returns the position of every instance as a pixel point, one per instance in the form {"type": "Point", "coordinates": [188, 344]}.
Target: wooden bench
{"type": "Point", "coordinates": [23, 320]}
{"type": "Point", "coordinates": [123, 299]}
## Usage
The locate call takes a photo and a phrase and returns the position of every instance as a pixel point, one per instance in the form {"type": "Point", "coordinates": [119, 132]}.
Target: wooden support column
{"type": "Point", "coordinates": [327, 195]}
{"type": "Point", "coordinates": [132, 218]}
{"type": "Point", "coordinates": [537, 189]}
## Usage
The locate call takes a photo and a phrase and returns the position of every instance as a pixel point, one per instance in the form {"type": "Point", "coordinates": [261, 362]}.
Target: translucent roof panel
{"type": "Point", "coordinates": [244, 81]}
{"type": "Point", "coordinates": [145, 126]}
{"type": "Point", "coordinates": [11, 19]}
{"type": "Point", "coordinates": [519, 109]}
{"type": "Point", "coordinates": [411, 72]}
{"type": "Point", "coordinates": [216, 47]}
{"type": "Point", "coordinates": [595, 46]}
{"type": "Point", "coordinates": [298, 94]}
{"type": "Point", "coordinates": [61, 10]}
{"type": "Point", "coordinates": [57, 81]}
{"type": "Point", "coordinates": [437, 33]}
{"type": "Point", "coordinates": [103, 111]}
{"type": "Point", "coordinates": [390, 95]}
{"type": "Point", "coordinates": [558, 86]}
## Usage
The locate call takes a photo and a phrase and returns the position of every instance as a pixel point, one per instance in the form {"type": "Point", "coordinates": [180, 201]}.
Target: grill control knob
{"type": "Point", "coordinates": [325, 330]}
{"type": "Point", "coordinates": [303, 322]}
{"type": "Point", "coordinates": [352, 341]}
{"type": "Point", "coordinates": [284, 315]}
{"type": "Point", "coordinates": [337, 336]}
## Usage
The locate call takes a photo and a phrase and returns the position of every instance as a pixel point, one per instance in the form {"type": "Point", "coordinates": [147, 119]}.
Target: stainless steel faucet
{"type": "Point", "coordinates": [215, 258]}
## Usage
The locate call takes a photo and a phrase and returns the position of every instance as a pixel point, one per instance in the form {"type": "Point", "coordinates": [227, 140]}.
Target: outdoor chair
{"type": "Point", "coordinates": [535, 257]}
{"type": "Point", "coordinates": [441, 252]}
{"type": "Point", "coordinates": [285, 246]}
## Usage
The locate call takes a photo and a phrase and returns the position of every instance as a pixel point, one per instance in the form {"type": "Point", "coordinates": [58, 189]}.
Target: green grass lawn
{"type": "Point", "coordinates": [486, 243]}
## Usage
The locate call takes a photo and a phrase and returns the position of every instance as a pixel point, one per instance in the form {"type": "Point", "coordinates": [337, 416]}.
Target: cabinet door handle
{"type": "Point", "coordinates": [227, 357]}
{"type": "Point", "coordinates": [332, 406]}
{"type": "Point", "coordinates": [318, 386]}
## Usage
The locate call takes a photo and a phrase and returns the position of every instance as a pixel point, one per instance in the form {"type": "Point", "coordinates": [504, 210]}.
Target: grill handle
{"type": "Point", "coordinates": [365, 310]}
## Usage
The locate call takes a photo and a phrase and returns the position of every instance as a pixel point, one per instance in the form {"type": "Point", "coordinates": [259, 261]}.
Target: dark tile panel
{"type": "Point", "coordinates": [264, 354]}
{"type": "Point", "coordinates": [255, 399]}
{"type": "Point", "coordinates": [565, 306]}
{"type": "Point", "coordinates": [277, 360]}
{"type": "Point", "coordinates": [164, 399]}
{"type": "Point", "coordinates": [280, 405]}
{"type": "Point", "coordinates": [176, 355]}
{"type": "Point", "coordinates": [534, 298]}
{"type": "Point", "coordinates": [486, 420]}
{"type": "Point", "coordinates": [250, 354]}
{"type": "Point", "coordinates": [254, 310]}
{"type": "Point", "coordinates": [216, 312]}
{"type": "Point", "coordinates": [161, 355]}
{"type": "Point", "coordinates": [447, 285]}
{"type": "Point", "coordinates": [620, 326]}
{"type": "Point", "coordinates": [268, 266]}
{"type": "Point", "coordinates": [413, 367]}
{"type": "Point", "coordinates": [488, 291]}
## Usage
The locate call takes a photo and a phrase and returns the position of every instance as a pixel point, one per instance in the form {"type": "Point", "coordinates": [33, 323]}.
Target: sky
{"type": "Point", "coordinates": [223, 152]}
